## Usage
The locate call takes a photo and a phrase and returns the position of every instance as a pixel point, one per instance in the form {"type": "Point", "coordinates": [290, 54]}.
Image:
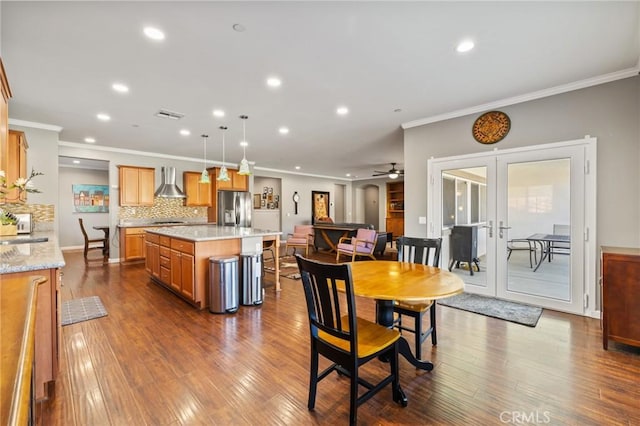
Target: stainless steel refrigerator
{"type": "Point", "coordinates": [234, 208]}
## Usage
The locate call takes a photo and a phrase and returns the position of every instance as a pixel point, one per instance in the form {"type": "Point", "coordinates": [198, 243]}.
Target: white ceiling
{"type": "Point", "coordinates": [374, 57]}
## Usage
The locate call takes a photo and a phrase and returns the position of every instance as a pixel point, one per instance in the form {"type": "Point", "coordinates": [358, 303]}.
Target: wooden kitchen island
{"type": "Point", "coordinates": [177, 257]}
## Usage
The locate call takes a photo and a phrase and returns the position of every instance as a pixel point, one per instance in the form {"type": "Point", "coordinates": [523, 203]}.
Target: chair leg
{"type": "Point", "coordinates": [432, 315]}
{"type": "Point", "coordinates": [418, 328]}
{"type": "Point", "coordinates": [353, 398]}
{"type": "Point", "coordinates": [313, 379]}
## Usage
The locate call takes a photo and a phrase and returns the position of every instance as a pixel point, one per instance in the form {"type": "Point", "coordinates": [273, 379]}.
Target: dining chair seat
{"type": "Point", "coordinates": [414, 306]}
{"type": "Point", "coordinates": [90, 243]}
{"type": "Point", "coordinates": [371, 338]}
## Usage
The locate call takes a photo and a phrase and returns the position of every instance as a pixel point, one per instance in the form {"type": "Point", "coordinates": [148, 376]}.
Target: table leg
{"type": "Point", "coordinates": [385, 317]}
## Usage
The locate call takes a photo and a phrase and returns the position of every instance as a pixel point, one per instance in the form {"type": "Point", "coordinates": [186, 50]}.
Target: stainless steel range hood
{"type": "Point", "coordinates": [168, 187]}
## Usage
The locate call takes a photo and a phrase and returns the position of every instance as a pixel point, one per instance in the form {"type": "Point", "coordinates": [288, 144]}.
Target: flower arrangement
{"type": "Point", "coordinates": [21, 184]}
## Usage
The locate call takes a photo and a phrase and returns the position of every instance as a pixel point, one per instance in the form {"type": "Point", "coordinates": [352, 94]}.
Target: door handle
{"type": "Point", "coordinates": [502, 228]}
{"type": "Point", "coordinates": [490, 228]}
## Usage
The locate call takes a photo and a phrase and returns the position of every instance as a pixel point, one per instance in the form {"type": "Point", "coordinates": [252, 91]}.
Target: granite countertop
{"type": "Point", "coordinates": [141, 223]}
{"type": "Point", "coordinates": [26, 257]}
{"type": "Point", "coordinates": [211, 232]}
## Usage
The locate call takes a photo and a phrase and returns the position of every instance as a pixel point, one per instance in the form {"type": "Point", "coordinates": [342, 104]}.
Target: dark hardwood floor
{"type": "Point", "coordinates": [156, 360]}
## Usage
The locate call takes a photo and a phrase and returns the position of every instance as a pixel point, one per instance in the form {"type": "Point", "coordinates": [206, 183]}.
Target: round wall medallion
{"type": "Point", "coordinates": [491, 127]}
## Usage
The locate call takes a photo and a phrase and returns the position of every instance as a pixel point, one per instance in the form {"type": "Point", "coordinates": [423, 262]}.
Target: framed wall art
{"type": "Point", "coordinates": [90, 198]}
{"type": "Point", "coordinates": [319, 206]}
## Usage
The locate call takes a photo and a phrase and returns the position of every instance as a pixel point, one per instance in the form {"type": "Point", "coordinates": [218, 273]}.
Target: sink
{"type": "Point", "coordinates": [167, 222]}
{"type": "Point", "coordinates": [23, 240]}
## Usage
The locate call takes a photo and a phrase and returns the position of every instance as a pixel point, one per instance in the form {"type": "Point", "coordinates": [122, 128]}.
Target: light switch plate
{"type": "Point", "coordinates": [422, 220]}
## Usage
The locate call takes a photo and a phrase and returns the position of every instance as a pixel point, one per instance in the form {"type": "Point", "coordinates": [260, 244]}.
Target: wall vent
{"type": "Point", "coordinates": [165, 113]}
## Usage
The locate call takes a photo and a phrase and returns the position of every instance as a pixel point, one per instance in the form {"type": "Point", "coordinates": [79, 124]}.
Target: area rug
{"type": "Point", "coordinates": [496, 308]}
{"type": "Point", "coordinates": [78, 310]}
{"type": "Point", "coordinates": [288, 267]}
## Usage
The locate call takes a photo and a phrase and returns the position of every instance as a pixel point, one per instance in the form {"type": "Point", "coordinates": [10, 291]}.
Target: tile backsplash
{"type": "Point", "coordinates": [163, 208]}
{"type": "Point", "coordinates": [43, 214]}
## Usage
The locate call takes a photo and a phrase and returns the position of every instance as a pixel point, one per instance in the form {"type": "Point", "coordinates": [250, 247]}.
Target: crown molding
{"type": "Point", "coordinates": [34, 125]}
{"type": "Point", "coordinates": [289, 172]}
{"type": "Point", "coordinates": [606, 78]}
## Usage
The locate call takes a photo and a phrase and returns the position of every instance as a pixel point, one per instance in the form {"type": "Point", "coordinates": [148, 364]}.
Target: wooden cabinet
{"type": "Point", "coordinates": [236, 182]}
{"type": "Point", "coordinates": [132, 244]}
{"type": "Point", "coordinates": [4, 117]}
{"type": "Point", "coordinates": [14, 163]}
{"type": "Point", "coordinates": [620, 269]}
{"type": "Point", "coordinates": [137, 185]}
{"type": "Point", "coordinates": [198, 194]}
{"type": "Point", "coordinates": [152, 255]}
{"type": "Point", "coordinates": [48, 333]}
{"type": "Point", "coordinates": [395, 208]}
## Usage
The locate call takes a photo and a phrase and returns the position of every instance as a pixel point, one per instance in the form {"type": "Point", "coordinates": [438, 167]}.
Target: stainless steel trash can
{"type": "Point", "coordinates": [223, 284]}
{"type": "Point", "coordinates": [251, 279]}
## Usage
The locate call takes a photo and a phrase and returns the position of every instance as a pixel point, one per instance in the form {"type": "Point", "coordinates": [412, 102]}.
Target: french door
{"type": "Point", "coordinates": [514, 204]}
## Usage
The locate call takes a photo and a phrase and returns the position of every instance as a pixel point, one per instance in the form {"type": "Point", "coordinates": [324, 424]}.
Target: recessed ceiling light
{"type": "Point", "coordinates": [103, 117]}
{"type": "Point", "coordinates": [153, 33]}
{"type": "Point", "coordinates": [274, 82]}
{"type": "Point", "coordinates": [342, 110]}
{"type": "Point", "coordinates": [297, 167]}
{"type": "Point", "coordinates": [120, 88]}
{"type": "Point", "coordinates": [239, 28]}
{"type": "Point", "coordinates": [218, 113]}
{"type": "Point", "coordinates": [90, 140]}
{"type": "Point", "coordinates": [76, 161]}
{"type": "Point", "coordinates": [244, 143]}
{"type": "Point", "coordinates": [348, 175]}
{"type": "Point", "coordinates": [283, 130]}
{"type": "Point", "coordinates": [465, 46]}
{"type": "Point", "coordinates": [185, 132]}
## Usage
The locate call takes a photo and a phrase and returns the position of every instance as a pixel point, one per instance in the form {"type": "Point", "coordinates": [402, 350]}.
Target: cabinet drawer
{"type": "Point", "coordinates": [183, 246]}
{"type": "Point", "coordinates": [165, 262]}
{"type": "Point", "coordinates": [165, 241]}
{"type": "Point", "coordinates": [165, 275]}
{"type": "Point", "coordinates": [165, 252]}
{"type": "Point", "coordinates": [134, 231]}
{"type": "Point", "coordinates": [152, 238]}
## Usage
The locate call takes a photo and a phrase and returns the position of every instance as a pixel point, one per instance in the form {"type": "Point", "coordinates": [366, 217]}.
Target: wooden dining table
{"type": "Point", "coordinates": [387, 281]}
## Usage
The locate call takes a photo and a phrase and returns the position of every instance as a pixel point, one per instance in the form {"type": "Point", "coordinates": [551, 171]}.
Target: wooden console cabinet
{"type": "Point", "coordinates": [620, 269]}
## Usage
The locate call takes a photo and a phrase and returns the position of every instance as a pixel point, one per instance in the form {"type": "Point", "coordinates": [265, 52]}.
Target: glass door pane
{"type": "Point", "coordinates": [538, 207]}
{"type": "Point", "coordinates": [462, 223]}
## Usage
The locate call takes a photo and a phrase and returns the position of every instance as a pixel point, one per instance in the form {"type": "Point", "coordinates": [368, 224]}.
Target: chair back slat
{"type": "Point", "coordinates": [84, 232]}
{"type": "Point", "coordinates": [419, 250]}
{"type": "Point", "coordinates": [324, 302]}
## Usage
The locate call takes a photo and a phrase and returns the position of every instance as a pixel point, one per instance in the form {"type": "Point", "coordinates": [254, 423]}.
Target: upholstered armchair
{"type": "Point", "coordinates": [363, 244]}
{"type": "Point", "coordinates": [302, 236]}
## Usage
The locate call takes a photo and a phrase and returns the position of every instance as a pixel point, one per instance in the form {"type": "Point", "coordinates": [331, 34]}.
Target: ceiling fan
{"type": "Point", "coordinates": [393, 173]}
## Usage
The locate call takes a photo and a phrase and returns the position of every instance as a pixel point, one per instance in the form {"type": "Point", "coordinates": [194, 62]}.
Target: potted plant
{"type": "Point", "coordinates": [8, 223]}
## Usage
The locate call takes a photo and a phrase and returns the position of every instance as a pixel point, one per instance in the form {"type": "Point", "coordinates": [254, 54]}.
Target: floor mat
{"type": "Point", "coordinates": [78, 310]}
{"type": "Point", "coordinates": [496, 308]}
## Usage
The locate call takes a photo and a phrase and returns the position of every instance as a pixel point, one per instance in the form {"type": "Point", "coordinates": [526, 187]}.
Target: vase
{"type": "Point", "coordinates": [8, 230]}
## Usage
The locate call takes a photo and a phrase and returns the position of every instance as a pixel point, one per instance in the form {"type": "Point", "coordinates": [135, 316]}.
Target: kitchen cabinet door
{"type": "Point", "coordinates": [136, 186]}
{"type": "Point", "coordinates": [152, 258]}
{"type": "Point", "coordinates": [198, 194]}
{"type": "Point", "coordinates": [14, 163]}
{"type": "Point", "coordinates": [187, 279]}
{"type": "Point", "coordinates": [236, 182]}
{"type": "Point", "coordinates": [134, 247]}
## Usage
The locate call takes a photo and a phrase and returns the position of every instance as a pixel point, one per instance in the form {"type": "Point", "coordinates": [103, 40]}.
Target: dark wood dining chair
{"type": "Point", "coordinates": [89, 243]}
{"type": "Point", "coordinates": [427, 252]}
{"type": "Point", "coordinates": [339, 335]}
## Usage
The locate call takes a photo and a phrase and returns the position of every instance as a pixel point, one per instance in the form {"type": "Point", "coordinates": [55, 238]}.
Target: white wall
{"type": "Point", "coordinates": [42, 156]}
{"type": "Point", "coordinates": [69, 234]}
{"type": "Point", "coordinates": [610, 112]}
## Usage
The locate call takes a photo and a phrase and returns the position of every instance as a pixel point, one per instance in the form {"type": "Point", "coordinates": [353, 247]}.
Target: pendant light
{"type": "Point", "coordinates": [204, 178]}
{"type": "Point", "coordinates": [223, 175]}
{"type": "Point", "coordinates": [244, 164]}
